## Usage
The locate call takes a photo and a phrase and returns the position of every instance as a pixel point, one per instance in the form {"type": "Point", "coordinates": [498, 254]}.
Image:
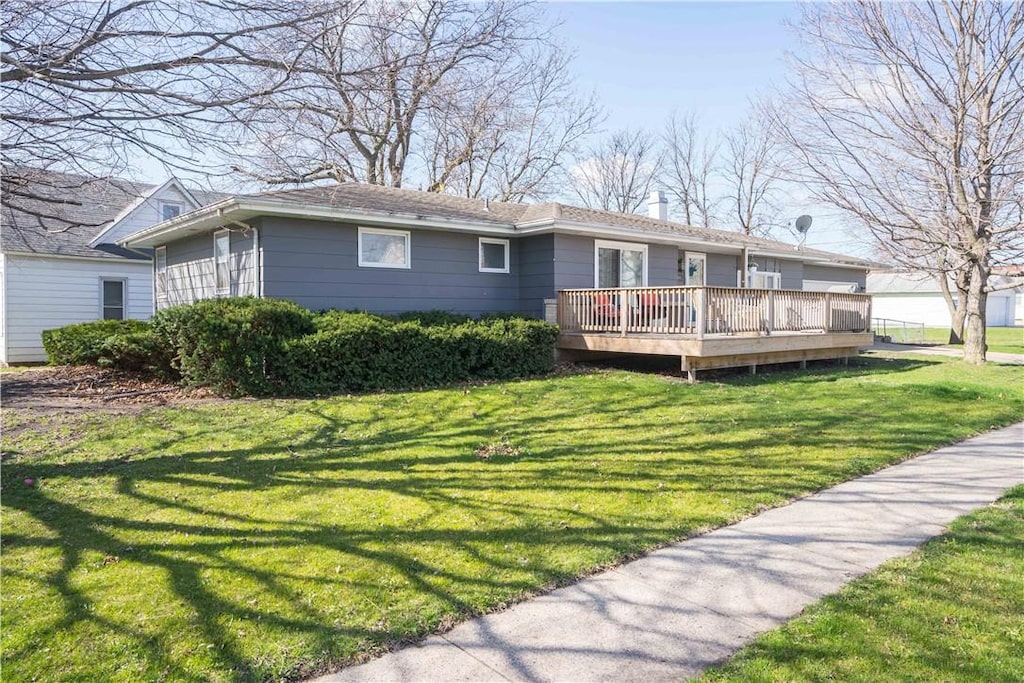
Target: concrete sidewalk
{"type": "Point", "coordinates": [993, 356]}
{"type": "Point", "coordinates": [673, 613]}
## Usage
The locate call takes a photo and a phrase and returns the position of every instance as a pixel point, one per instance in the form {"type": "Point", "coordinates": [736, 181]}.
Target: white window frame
{"type": "Point", "coordinates": [227, 262]}
{"type": "Point", "coordinates": [381, 231]}
{"type": "Point", "coordinates": [180, 207]}
{"type": "Point", "coordinates": [124, 297]}
{"type": "Point", "coordinates": [772, 280]}
{"type": "Point", "coordinates": [508, 255]}
{"type": "Point", "coordinates": [621, 246]}
{"type": "Point", "coordinates": [160, 274]}
{"type": "Point", "coordinates": [700, 256]}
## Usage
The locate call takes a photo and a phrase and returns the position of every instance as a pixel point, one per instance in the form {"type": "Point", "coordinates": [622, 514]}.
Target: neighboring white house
{"type": "Point", "coordinates": [59, 261]}
{"type": "Point", "coordinates": [916, 297]}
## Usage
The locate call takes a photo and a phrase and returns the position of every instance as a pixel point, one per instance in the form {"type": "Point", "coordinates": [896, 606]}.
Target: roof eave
{"type": "Point", "coordinates": [240, 208]}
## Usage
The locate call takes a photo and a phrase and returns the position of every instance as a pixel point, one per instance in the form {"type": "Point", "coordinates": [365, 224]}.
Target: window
{"type": "Point", "coordinates": [160, 267]}
{"type": "Point", "coordinates": [765, 280]}
{"type": "Point", "coordinates": [493, 255]}
{"type": "Point", "coordinates": [221, 267]}
{"type": "Point", "coordinates": [112, 302]}
{"type": "Point", "coordinates": [169, 211]}
{"type": "Point", "coordinates": [695, 269]}
{"type": "Point", "coordinates": [383, 248]}
{"type": "Point", "coordinates": [620, 264]}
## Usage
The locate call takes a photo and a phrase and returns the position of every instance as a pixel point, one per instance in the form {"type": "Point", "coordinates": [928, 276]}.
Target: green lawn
{"type": "Point", "coordinates": [951, 611]}
{"type": "Point", "coordinates": [1002, 339]}
{"type": "Point", "coordinates": [274, 539]}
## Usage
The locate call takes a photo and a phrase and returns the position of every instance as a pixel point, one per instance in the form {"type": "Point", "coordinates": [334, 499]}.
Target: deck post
{"type": "Point", "coordinates": [753, 368]}
{"type": "Point", "coordinates": [702, 317]}
{"type": "Point", "coordinates": [828, 312]}
{"type": "Point", "coordinates": [623, 312]}
{"type": "Point", "coordinates": [771, 311]}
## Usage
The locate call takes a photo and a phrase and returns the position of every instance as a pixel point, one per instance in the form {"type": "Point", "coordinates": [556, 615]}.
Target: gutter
{"type": "Point", "coordinates": [224, 210]}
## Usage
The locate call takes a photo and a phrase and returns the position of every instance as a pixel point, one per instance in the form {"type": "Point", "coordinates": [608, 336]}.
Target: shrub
{"type": "Point", "coordinates": [364, 352]}
{"type": "Point", "coordinates": [82, 343]}
{"type": "Point", "coordinates": [433, 318]}
{"type": "Point", "coordinates": [232, 345]}
{"type": "Point", "coordinates": [142, 352]}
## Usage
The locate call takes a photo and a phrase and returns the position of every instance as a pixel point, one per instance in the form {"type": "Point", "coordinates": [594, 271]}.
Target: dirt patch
{"type": "Point", "coordinates": [69, 389]}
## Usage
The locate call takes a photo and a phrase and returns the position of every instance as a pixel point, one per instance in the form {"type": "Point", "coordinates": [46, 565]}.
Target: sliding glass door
{"type": "Point", "coordinates": [620, 265]}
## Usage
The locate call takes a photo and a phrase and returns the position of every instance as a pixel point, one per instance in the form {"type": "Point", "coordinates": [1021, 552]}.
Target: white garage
{"type": "Point", "coordinates": [916, 298]}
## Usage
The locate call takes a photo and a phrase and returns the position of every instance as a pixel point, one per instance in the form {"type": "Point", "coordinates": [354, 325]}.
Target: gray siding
{"type": "Point", "coordinates": [662, 265]}
{"type": "Point", "coordinates": [792, 274]}
{"type": "Point", "coordinates": [190, 269]}
{"type": "Point", "coordinates": [536, 272]}
{"type": "Point", "coordinates": [316, 265]}
{"type": "Point", "coordinates": [722, 270]}
{"type": "Point", "coordinates": [819, 278]}
{"type": "Point", "coordinates": [574, 262]}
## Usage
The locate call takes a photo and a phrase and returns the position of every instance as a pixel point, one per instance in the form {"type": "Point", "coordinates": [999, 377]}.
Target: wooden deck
{"type": "Point", "coordinates": [714, 327]}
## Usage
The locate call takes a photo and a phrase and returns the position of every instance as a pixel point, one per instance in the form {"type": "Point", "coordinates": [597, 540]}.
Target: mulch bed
{"type": "Point", "coordinates": [88, 387]}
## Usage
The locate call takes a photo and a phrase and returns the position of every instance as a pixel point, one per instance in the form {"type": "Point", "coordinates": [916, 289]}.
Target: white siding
{"type": "Point", "coordinates": [43, 293]}
{"type": "Point", "coordinates": [3, 313]}
{"type": "Point", "coordinates": [147, 213]}
{"type": "Point", "coordinates": [930, 309]}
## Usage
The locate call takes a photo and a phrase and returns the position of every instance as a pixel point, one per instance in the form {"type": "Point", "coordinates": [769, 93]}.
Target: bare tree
{"type": "Point", "coordinates": [92, 87]}
{"type": "Point", "coordinates": [370, 82]}
{"type": "Point", "coordinates": [910, 118]}
{"type": "Point", "coordinates": [509, 137]}
{"type": "Point", "coordinates": [689, 169]}
{"type": "Point", "coordinates": [619, 173]}
{"type": "Point", "coordinates": [750, 172]}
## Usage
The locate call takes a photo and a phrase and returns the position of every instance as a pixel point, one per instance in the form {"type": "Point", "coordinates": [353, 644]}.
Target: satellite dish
{"type": "Point", "coordinates": [803, 224]}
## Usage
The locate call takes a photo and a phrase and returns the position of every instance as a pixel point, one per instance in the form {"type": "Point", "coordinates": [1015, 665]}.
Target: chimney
{"type": "Point", "coordinates": [657, 206]}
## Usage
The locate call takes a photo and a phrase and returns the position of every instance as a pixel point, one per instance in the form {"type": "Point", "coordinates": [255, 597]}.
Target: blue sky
{"type": "Point", "coordinates": [646, 59]}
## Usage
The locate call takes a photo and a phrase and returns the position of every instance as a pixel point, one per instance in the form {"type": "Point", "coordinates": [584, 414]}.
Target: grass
{"type": "Point", "coordinates": [951, 611]}
{"type": "Point", "coordinates": [1001, 339]}
{"type": "Point", "coordinates": [259, 540]}
{"type": "Point", "coordinates": [4, 369]}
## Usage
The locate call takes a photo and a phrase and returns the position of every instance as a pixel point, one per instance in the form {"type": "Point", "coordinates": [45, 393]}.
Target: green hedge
{"type": "Point", "coordinates": [266, 346]}
{"type": "Point", "coordinates": [83, 343]}
{"type": "Point", "coordinates": [362, 352]}
{"type": "Point", "coordinates": [231, 345]}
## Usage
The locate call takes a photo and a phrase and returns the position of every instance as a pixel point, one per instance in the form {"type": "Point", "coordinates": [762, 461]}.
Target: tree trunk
{"type": "Point", "coordinates": [955, 306]}
{"type": "Point", "coordinates": [974, 325]}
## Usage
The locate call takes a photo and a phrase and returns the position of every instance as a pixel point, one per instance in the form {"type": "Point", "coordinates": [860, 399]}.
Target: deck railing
{"type": "Point", "coordinates": [701, 311]}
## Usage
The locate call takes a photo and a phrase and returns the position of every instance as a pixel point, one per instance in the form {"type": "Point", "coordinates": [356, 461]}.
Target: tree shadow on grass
{"type": "Point", "coordinates": [404, 510]}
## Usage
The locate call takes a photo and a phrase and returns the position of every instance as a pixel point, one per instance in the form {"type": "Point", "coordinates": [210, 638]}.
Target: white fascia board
{"type": "Point", "coordinates": [813, 259]}
{"type": "Point", "coordinates": [237, 209]}
{"type": "Point", "coordinates": [602, 231]}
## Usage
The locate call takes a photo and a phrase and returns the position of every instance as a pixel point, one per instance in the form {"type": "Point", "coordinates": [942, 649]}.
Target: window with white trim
{"type": "Point", "coordinates": [160, 268]}
{"type": "Point", "coordinates": [619, 264]}
{"type": "Point", "coordinates": [169, 211]}
{"type": "Point", "coordinates": [765, 280]}
{"type": "Point", "coordinates": [379, 248]}
{"type": "Point", "coordinates": [112, 299]}
{"type": "Point", "coordinates": [221, 262]}
{"type": "Point", "coordinates": [494, 255]}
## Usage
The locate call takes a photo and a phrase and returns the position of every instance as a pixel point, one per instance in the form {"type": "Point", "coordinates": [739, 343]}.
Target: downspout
{"type": "Point", "coordinates": [257, 266]}
{"type": "Point", "coordinates": [745, 283]}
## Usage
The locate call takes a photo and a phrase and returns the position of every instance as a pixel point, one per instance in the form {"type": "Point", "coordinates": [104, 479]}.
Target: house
{"type": "Point", "coordinates": [915, 297]}
{"type": "Point", "coordinates": [390, 250]}
{"type": "Point", "coordinates": [59, 258]}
